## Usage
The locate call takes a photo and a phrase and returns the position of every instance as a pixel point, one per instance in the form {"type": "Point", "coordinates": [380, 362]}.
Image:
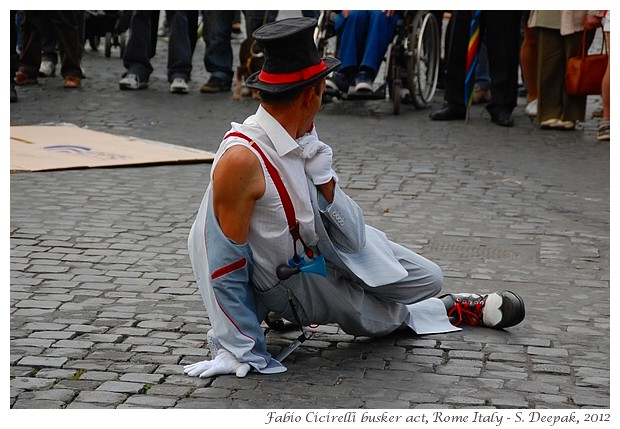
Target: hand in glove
{"type": "Point", "coordinates": [224, 363]}
{"type": "Point", "coordinates": [318, 157]}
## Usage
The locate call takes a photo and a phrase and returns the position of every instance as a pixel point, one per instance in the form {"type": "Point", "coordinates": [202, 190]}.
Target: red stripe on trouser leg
{"type": "Point", "coordinates": [228, 268]}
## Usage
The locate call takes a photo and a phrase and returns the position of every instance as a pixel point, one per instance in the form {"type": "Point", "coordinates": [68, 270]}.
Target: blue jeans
{"type": "Point", "coordinates": [483, 76]}
{"type": "Point", "coordinates": [363, 39]}
{"type": "Point", "coordinates": [257, 18]}
{"type": "Point", "coordinates": [139, 49]}
{"type": "Point", "coordinates": [218, 58]}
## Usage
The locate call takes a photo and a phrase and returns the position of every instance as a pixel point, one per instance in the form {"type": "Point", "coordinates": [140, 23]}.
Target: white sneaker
{"type": "Point", "coordinates": [132, 81]}
{"type": "Point", "coordinates": [532, 108]}
{"type": "Point", "coordinates": [179, 86]}
{"type": "Point", "coordinates": [47, 69]}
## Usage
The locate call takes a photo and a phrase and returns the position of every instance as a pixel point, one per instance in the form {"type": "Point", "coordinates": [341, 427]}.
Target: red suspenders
{"type": "Point", "coordinates": [289, 209]}
{"type": "Point", "coordinates": [285, 271]}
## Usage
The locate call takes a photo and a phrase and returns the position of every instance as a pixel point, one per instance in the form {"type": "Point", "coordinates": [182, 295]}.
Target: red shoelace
{"type": "Point", "coordinates": [466, 311]}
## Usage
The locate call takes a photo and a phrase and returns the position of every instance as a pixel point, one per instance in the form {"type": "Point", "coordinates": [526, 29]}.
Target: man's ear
{"type": "Point", "coordinates": [307, 96]}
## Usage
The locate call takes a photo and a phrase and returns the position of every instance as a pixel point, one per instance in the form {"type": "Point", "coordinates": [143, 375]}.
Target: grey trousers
{"type": "Point", "coordinates": [359, 309]}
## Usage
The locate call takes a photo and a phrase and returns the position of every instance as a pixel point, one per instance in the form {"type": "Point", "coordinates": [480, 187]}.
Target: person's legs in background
{"type": "Point", "coordinates": [13, 58]}
{"type": "Point", "coordinates": [482, 87]}
{"type": "Point", "coordinates": [549, 56]}
{"type": "Point", "coordinates": [351, 29]}
{"type": "Point", "coordinates": [457, 40]}
{"type": "Point", "coordinates": [67, 26]}
{"type": "Point", "coordinates": [236, 25]}
{"type": "Point", "coordinates": [257, 18]}
{"type": "Point", "coordinates": [604, 128]}
{"type": "Point", "coordinates": [30, 53]}
{"type": "Point", "coordinates": [503, 36]}
{"type": "Point", "coordinates": [379, 34]}
{"type": "Point", "coordinates": [179, 51]}
{"type": "Point", "coordinates": [573, 106]}
{"type": "Point", "coordinates": [49, 56]}
{"type": "Point", "coordinates": [556, 108]}
{"type": "Point", "coordinates": [528, 66]}
{"type": "Point", "coordinates": [138, 51]}
{"type": "Point", "coordinates": [218, 56]}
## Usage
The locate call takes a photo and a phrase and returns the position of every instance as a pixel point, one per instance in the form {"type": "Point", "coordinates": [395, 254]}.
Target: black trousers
{"type": "Point", "coordinates": [14, 57]}
{"type": "Point", "coordinates": [503, 37]}
{"type": "Point", "coordinates": [66, 23]}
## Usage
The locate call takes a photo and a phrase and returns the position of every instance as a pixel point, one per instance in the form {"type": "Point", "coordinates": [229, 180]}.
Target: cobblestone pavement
{"type": "Point", "coordinates": [104, 311]}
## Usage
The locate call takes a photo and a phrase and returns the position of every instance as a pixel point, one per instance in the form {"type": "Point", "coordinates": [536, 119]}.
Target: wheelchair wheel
{"type": "Point", "coordinates": [423, 58]}
{"type": "Point", "coordinates": [397, 96]}
{"type": "Point", "coordinates": [393, 74]}
{"type": "Point", "coordinates": [325, 32]}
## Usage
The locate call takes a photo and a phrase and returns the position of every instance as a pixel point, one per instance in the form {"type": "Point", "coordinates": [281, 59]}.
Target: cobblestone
{"type": "Point", "coordinates": [104, 311]}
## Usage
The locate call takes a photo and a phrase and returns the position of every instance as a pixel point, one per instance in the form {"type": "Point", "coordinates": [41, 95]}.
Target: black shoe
{"type": "Point", "coordinates": [449, 112]}
{"type": "Point", "coordinates": [278, 324]}
{"type": "Point", "coordinates": [501, 116]}
{"type": "Point", "coordinates": [215, 84]}
{"type": "Point", "coordinates": [495, 310]}
{"type": "Point", "coordinates": [14, 95]}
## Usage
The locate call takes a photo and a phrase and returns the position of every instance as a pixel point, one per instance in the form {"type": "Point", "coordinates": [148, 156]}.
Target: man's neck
{"type": "Point", "coordinates": [289, 118]}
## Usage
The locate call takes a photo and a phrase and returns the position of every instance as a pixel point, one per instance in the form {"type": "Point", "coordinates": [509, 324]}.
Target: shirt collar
{"type": "Point", "coordinates": [282, 141]}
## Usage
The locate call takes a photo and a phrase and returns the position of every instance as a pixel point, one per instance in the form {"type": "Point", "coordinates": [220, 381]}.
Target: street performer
{"type": "Point", "coordinates": [276, 234]}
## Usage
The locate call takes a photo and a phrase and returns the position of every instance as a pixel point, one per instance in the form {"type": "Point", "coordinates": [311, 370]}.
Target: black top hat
{"type": "Point", "coordinates": [292, 59]}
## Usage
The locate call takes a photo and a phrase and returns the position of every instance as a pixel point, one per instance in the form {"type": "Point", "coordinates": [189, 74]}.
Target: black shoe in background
{"type": "Point", "coordinates": [501, 115]}
{"type": "Point", "coordinates": [13, 93]}
{"type": "Point", "coordinates": [449, 112]}
{"type": "Point", "coordinates": [215, 84]}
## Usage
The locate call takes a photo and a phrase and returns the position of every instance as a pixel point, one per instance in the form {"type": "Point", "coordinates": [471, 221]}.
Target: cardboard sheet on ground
{"type": "Point", "coordinates": [43, 148]}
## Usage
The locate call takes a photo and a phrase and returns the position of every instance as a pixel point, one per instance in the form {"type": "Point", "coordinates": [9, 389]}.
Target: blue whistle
{"type": "Point", "coordinates": [314, 266]}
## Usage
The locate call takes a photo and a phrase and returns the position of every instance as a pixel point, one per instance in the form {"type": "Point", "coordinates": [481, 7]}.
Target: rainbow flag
{"type": "Point", "coordinates": [472, 57]}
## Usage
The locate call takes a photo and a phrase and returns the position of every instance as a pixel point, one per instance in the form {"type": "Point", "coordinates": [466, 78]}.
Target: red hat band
{"type": "Point", "coordinates": [292, 77]}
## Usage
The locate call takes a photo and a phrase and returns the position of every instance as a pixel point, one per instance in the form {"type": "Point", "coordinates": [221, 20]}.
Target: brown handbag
{"type": "Point", "coordinates": [584, 73]}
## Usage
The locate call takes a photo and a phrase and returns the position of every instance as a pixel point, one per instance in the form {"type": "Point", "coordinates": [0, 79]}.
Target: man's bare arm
{"type": "Point", "coordinates": [238, 181]}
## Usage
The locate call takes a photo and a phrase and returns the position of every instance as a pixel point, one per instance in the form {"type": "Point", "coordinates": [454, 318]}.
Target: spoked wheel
{"type": "Point", "coordinates": [423, 56]}
{"type": "Point", "coordinates": [395, 81]}
{"type": "Point", "coordinates": [324, 33]}
{"type": "Point", "coordinates": [397, 96]}
{"type": "Point", "coordinates": [393, 77]}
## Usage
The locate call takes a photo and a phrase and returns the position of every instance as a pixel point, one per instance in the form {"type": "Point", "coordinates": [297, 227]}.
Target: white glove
{"type": "Point", "coordinates": [318, 158]}
{"type": "Point", "coordinates": [224, 363]}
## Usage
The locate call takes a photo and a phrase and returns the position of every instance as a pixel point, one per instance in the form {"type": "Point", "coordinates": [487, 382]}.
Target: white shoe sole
{"type": "Point", "coordinates": [363, 87]}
